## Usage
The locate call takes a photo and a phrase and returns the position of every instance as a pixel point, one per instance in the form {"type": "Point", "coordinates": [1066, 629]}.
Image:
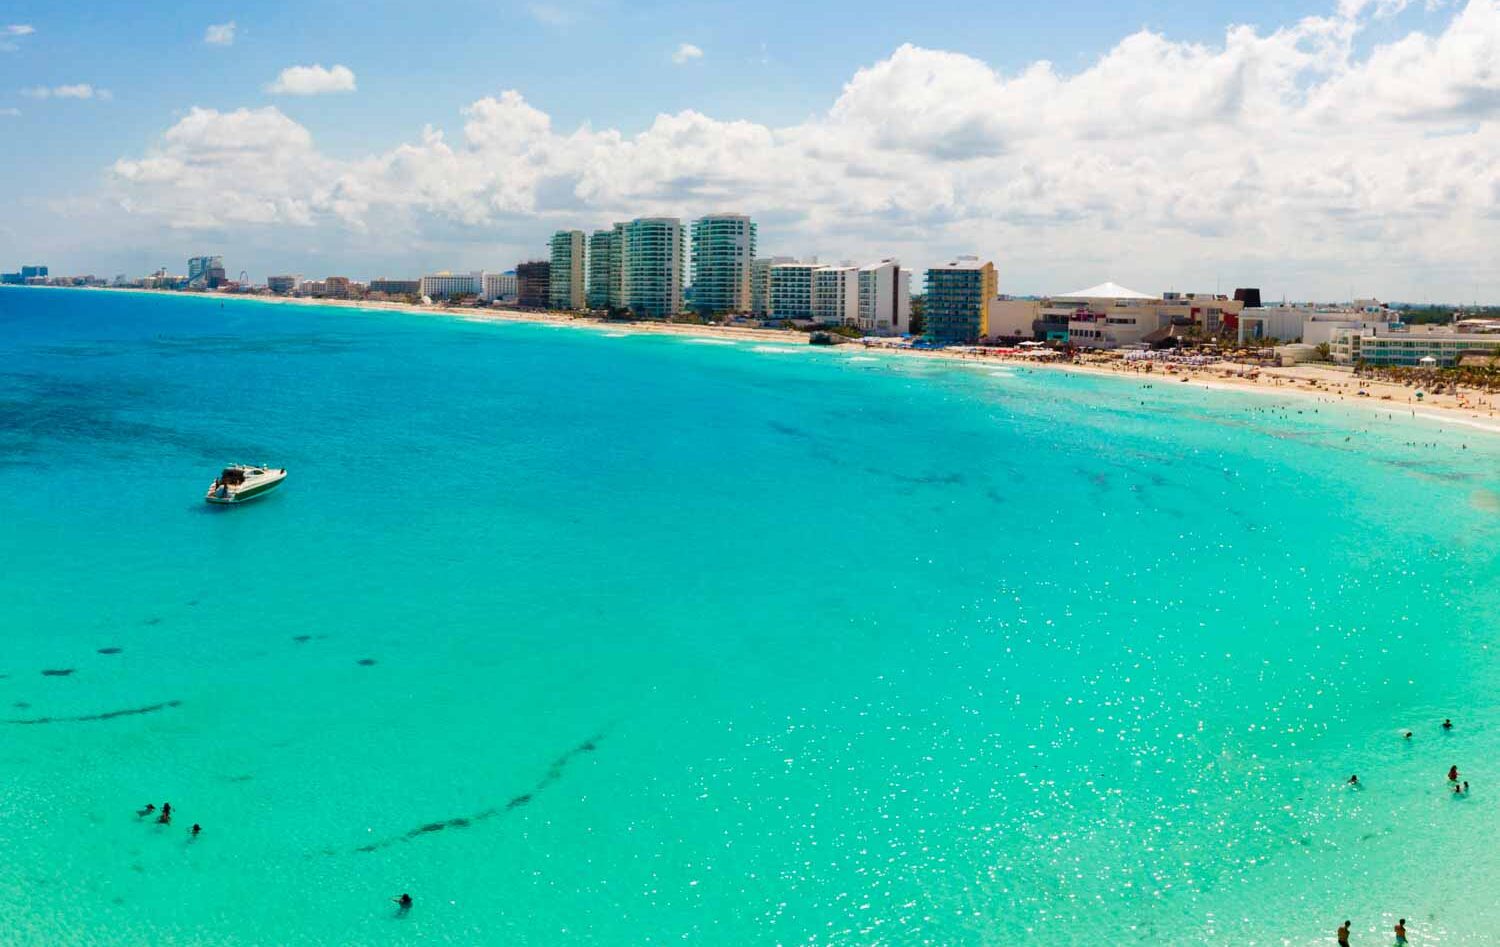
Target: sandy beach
{"type": "Point", "coordinates": [1325, 383]}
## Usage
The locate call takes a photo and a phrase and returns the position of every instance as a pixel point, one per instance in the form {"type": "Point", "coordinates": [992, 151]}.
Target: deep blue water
{"type": "Point", "coordinates": [723, 644]}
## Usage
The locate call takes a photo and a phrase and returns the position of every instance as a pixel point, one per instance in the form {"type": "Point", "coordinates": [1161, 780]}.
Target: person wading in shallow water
{"type": "Point", "coordinates": [1343, 935]}
{"type": "Point", "coordinates": [1401, 931]}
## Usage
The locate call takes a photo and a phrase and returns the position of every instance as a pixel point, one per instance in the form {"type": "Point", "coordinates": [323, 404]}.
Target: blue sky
{"type": "Point", "coordinates": [776, 67]}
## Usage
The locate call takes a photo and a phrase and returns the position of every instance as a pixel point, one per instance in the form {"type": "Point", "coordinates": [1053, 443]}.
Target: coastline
{"type": "Point", "coordinates": [1479, 411]}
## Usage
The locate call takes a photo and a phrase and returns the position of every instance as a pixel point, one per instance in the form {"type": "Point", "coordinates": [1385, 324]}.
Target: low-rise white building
{"type": "Point", "coordinates": [1312, 324]}
{"type": "Point", "coordinates": [1110, 316]}
{"type": "Point", "coordinates": [447, 285]}
{"type": "Point", "coordinates": [1409, 346]}
{"type": "Point", "coordinates": [1014, 319]}
{"type": "Point", "coordinates": [498, 286]}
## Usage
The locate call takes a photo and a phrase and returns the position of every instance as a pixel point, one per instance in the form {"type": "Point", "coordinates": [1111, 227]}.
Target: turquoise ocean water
{"type": "Point", "coordinates": [706, 643]}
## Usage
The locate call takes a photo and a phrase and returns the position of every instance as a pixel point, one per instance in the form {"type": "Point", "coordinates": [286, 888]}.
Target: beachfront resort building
{"type": "Point", "coordinates": [498, 286]}
{"type": "Point", "coordinates": [534, 284]}
{"type": "Point", "coordinates": [884, 298]}
{"type": "Point", "coordinates": [653, 259]}
{"type": "Point", "coordinates": [567, 270]}
{"type": "Point", "coordinates": [1110, 316]}
{"type": "Point", "coordinates": [395, 287]}
{"type": "Point", "coordinates": [1313, 324]}
{"type": "Point", "coordinates": [792, 290]}
{"type": "Point", "coordinates": [760, 283]}
{"type": "Point", "coordinates": [836, 295]}
{"type": "Point", "coordinates": [604, 290]}
{"type": "Point", "coordinates": [1414, 346]}
{"type": "Point", "coordinates": [206, 272]}
{"type": "Point", "coordinates": [446, 285]}
{"type": "Point", "coordinates": [30, 273]}
{"type": "Point", "coordinates": [723, 255]}
{"type": "Point", "coordinates": [959, 295]}
{"type": "Point", "coordinates": [283, 285]}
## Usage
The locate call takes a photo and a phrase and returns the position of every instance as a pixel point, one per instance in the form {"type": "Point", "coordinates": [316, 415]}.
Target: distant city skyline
{"type": "Point", "coordinates": [1330, 150]}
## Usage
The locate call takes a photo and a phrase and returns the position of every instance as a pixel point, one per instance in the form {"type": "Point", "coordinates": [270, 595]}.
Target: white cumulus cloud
{"type": "Point", "coordinates": [12, 32]}
{"type": "Point", "coordinates": [219, 34]}
{"type": "Point", "coordinates": [312, 80]}
{"type": "Point", "coordinates": [1290, 158]}
{"type": "Point", "coordinates": [80, 90]}
{"type": "Point", "coordinates": [686, 53]}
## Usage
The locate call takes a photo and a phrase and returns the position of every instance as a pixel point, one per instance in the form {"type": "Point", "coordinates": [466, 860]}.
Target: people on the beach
{"type": "Point", "coordinates": [1401, 931]}
{"type": "Point", "coordinates": [1343, 934]}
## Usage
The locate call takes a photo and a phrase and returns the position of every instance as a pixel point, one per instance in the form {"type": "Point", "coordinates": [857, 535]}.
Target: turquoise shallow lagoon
{"type": "Point", "coordinates": [721, 644]}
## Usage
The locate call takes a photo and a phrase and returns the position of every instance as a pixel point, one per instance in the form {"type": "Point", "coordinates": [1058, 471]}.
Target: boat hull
{"type": "Point", "coordinates": [244, 495]}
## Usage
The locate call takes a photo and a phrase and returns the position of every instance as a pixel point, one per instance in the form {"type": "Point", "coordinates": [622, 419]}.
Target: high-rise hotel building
{"type": "Point", "coordinates": [605, 291]}
{"type": "Point", "coordinates": [760, 283]}
{"type": "Point", "coordinates": [884, 298]}
{"type": "Point", "coordinates": [566, 273]}
{"type": "Point", "coordinates": [723, 254]}
{"type": "Point", "coordinates": [959, 295]}
{"type": "Point", "coordinates": [534, 284]}
{"type": "Point", "coordinates": [653, 257]}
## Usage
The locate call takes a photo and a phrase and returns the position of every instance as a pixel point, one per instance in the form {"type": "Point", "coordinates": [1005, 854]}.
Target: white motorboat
{"type": "Point", "coordinates": [241, 483]}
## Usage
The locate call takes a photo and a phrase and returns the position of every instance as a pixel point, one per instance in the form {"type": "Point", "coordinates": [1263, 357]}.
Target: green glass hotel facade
{"type": "Point", "coordinates": [959, 295]}
{"type": "Point", "coordinates": [723, 257]}
{"type": "Point", "coordinates": [653, 264]}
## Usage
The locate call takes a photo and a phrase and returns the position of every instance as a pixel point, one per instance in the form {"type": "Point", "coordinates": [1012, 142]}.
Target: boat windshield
{"type": "Point", "coordinates": [232, 476]}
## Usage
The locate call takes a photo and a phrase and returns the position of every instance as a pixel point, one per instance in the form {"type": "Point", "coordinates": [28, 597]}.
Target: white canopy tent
{"type": "Point", "coordinates": [1109, 290]}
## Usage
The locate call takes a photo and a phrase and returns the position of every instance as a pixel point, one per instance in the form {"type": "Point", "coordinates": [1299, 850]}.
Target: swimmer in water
{"type": "Point", "coordinates": [1453, 773]}
{"type": "Point", "coordinates": [166, 814]}
{"type": "Point", "coordinates": [1401, 931]}
{"type": "Point", "coordinates": [196, 829]}
{"type": "Point", "coordinates": [1408, 734]}
{"type": "Point", "coordinates": [1447, 724]}
{"type": "Point", "coordinates": [142, 813]}
{"type": "Point", "coordinates": [403, 903]}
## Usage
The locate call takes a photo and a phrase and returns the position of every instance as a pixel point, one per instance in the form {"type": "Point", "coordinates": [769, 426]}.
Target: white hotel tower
{"type": "Point", "coordinates": [653, 257]}
{"type": "Point", "coordinates": [723, 254]}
